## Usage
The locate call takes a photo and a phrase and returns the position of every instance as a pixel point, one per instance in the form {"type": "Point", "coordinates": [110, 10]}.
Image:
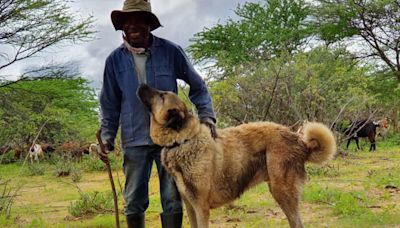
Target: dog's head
{"type": "Point", "coordinates": [166, 108]}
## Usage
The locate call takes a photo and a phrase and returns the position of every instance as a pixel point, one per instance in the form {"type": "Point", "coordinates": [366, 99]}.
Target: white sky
{"type": "Point", "coordinates": [180, 19]}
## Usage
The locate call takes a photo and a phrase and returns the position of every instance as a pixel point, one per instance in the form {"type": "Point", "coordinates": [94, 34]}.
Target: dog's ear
{"type": "Point", "coordinates": [174, 120]}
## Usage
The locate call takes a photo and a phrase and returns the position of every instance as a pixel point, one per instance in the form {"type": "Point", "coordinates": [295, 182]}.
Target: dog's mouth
{"type": "Point", "coordinates": [145, 94]}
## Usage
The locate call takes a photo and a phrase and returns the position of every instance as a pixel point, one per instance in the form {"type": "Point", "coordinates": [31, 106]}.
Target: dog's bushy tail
{"type": "Point", "coordinates": [320, 141]}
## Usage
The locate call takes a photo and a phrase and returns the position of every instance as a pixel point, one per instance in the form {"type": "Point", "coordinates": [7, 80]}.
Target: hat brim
{"type": "Point", "coordinates": [118, 18]}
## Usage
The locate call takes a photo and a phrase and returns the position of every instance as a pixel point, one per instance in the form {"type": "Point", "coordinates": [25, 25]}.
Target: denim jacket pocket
{"type": "Point", "coordinates": [126, 127]}
{"type": "Point", "coordinates": [165, 79]}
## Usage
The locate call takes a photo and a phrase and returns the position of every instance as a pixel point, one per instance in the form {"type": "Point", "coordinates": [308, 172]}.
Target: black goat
{"type": "Point", "coordinates": [362, 129]}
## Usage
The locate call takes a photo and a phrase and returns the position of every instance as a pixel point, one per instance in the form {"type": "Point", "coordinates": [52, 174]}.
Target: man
{"type": "Point", "coordinates": [145, 58]}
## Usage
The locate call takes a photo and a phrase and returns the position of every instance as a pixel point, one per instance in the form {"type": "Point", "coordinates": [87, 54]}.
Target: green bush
{"type": "Point", "coordinates": [95, 164]}
{"type": "Point", "coordinates": [393, 140]}
{"type": "Point", "coordinates": [76, 174]}
{"type": "Point", "coordinates": [91, 203]}
{"type": "Point", "coordinates": [7, 194]}
{"type": "Point", "coordinates": [64, 168]}
{"type": "Point", "coordinates": [8, 157]}
{"type": "Point", "coordinates": [53, 159]}
{"type": "Point", "coordinates": [92, 164]}
{"type": "Point", "coordinates": [115, 161]}
{"type": "Point", "coordinates": [35, 169]}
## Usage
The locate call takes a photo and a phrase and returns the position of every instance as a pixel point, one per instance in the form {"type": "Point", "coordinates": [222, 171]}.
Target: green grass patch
{"type": "Point", "coordinates": [323, 171]}
{"type": "Point", "coordinates": [98, 221]}
{"type": "Point", "coordinates": [393, 140]}
{"type": "Point", "coordinates": [386, 219]}
{"type": "Point", "coordinates": [6, 221]}
{"type": "Point", "coordinates": [10, 170]}
{"type": "Point", "coordinates": [37, 222]}
{"type": "Point", "coordinates": [388, 178]}
{"type": "Point", "coordinates": [343, 203]}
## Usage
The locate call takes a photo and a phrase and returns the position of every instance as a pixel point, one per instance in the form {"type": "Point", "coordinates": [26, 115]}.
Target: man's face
{"type": "Point", "coordinates": [137, 31]}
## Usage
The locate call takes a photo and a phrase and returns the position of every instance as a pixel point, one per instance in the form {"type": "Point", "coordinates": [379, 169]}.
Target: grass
{"type": "Point", "coordinates": [358, 189]}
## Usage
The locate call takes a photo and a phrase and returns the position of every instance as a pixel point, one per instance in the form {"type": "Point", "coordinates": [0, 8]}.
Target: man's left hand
{"type": "Point", "coordinates": [210, 124]}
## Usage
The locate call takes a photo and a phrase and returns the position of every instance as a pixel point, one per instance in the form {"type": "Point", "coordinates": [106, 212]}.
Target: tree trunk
{"type": "Point", "coordinates": [395, 114]}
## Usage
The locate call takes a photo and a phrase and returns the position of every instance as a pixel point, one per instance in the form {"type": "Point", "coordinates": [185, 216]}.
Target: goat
{"type": "Point", "coordinates": [363, 129]}
{"type": "Point", "coordinates": [93, 148]}
{"type": "Point", "coordinates": [35, 151]}
{"type": "Point", "coordinates": [383, 127]}
{"type": "Point", "coordinates": [48, 149]}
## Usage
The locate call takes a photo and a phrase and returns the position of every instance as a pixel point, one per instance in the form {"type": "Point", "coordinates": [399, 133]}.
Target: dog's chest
{"type": "Point", "coordinates": [184, 159]}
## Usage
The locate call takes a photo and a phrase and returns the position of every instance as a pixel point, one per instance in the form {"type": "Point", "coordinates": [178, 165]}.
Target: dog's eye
{"type": "Point", "coordinates": [162, 96]}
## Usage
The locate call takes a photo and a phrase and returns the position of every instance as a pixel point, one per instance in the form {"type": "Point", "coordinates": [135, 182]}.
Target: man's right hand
{"type": "Point", "coordinates": [104, 154]}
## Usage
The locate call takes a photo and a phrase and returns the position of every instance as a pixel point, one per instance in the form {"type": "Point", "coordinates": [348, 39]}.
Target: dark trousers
{"type": "Point", "coordinates": [138, 162]}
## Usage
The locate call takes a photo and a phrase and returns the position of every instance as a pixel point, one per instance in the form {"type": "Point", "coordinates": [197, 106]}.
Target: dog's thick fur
{"type": "Point", "coordinates": [210, 173]}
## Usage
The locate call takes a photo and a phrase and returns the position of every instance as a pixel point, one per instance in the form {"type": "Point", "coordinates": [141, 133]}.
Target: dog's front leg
{"type": "Point", "coordinates": [202, 215]}
{"type": "Point", "coordinates": [191, 213]}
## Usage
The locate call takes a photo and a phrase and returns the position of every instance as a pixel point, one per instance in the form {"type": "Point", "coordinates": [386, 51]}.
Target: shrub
{"type": "Point", "coordinates": [53, 158]}
{"type": "Point", "coordinates": [92, 164]}
{"type": "Point", "coordinates": [95, 164]}
{"type": "Point", "coordinates": [64, 168]}
{"type": "Point", "coordinates": [8, 157]}
{"type": "Point", "coordinates": [115, 161]}
{"type": "Point", "coordinates": [7, 194]}
{"type": "Point", "coordinates": [35, 169]}
{"type": "Point", "coordinates": [90, 203]}
{"type": "Point", "coordinates": [76, 174]}
{"type": "Point", "coordinates": [393, 140]}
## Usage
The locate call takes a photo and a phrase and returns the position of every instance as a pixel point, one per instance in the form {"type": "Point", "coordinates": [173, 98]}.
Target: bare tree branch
{"type": "Point", "coordinates": [30, 27]}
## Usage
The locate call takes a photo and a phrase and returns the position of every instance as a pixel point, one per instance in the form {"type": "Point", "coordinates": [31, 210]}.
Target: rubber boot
{"type": "Point", "coordinates": [135, 221]}
{"type": "Point", "coordinates": [171, 220]}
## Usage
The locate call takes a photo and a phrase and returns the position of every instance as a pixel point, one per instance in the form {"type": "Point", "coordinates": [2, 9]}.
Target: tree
{"type": "Point", "coordinates": [307, 86]}
{"type": "Point", "coordinates": [28, 27]}
{"type": "Point", "coordinates": [375, 26]}
{"type": "Point", "coordinates": [376, 22]}
{"type": "Point", "coordinates": [263, 31]}
{"type": "Point", "coordinates": [67, 104]}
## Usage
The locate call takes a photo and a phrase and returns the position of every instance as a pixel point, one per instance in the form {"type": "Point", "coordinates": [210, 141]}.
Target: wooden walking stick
{"type": "Point", "coordinates": [107, 162]}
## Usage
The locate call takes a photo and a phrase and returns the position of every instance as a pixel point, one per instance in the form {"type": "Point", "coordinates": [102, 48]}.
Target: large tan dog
{"type": "Point", "coordinates": [210, 173]}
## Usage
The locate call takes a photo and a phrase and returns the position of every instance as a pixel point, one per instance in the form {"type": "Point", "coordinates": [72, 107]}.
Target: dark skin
{"type": "Point", "coordinates": [137, 31]}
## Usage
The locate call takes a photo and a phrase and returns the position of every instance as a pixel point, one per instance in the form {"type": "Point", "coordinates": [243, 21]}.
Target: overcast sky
{"type": "Point", "coordinates": [180, 19]}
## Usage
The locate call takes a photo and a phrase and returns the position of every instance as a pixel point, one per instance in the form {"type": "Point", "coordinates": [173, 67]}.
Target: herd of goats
{"type": "Point", "coordinates": [359, 129]}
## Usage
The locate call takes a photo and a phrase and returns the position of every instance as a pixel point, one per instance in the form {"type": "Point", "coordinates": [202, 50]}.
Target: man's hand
{"type": "Point", "coordinates": [210, 123]}
{"type": "Point", "coordinates": [104, 154]}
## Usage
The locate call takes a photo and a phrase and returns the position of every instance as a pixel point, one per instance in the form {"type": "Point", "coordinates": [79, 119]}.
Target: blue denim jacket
{"type": "Point", "coordinates": [119, 103]}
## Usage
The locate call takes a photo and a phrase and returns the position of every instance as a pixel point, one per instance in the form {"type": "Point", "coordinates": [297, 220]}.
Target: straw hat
{"type": "Point", "coordinates": [134, 7]}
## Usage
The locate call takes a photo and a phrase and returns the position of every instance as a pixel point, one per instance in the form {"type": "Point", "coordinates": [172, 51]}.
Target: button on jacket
{"type": "Point", "coordinates": [120, 105]}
